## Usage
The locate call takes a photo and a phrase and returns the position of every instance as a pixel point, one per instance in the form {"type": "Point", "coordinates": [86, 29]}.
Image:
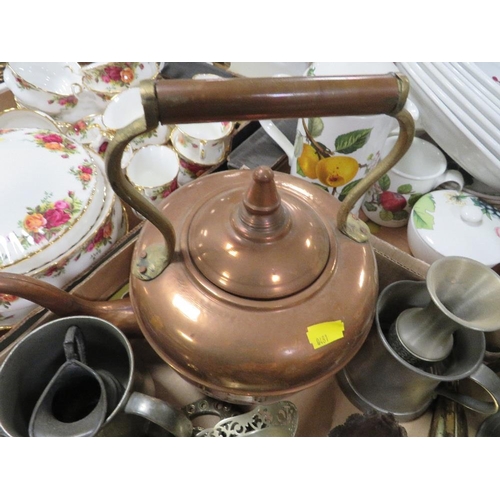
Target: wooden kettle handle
{"type": "Point", "coordinates": [236, 99]}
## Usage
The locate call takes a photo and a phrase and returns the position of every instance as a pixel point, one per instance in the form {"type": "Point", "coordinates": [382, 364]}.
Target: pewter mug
{"type": "Point", "coordinates": [378, 378]}
{"type": "Point", "coordinates": [32, 364]}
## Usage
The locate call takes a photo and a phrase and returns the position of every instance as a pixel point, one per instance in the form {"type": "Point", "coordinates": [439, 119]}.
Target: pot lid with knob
{"type": "Point", "coordinates": [260, 245]}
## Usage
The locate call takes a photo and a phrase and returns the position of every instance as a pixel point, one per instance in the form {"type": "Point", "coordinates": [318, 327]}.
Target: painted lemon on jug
{"type": "Point", "coordinates": [330, 168]}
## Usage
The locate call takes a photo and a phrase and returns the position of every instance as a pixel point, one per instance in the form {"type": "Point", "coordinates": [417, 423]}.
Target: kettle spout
{"type": "Point", "coordinates": [63, 304]}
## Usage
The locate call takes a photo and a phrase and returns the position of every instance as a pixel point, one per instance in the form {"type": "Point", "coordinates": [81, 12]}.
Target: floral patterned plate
{"type": "Point", "coordinates": [51, 194]}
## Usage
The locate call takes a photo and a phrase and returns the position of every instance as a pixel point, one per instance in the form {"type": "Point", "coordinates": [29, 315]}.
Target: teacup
{"type": "Point", "coordinates": [203, 143]}
{"type": "Point", "coordinates": [99, 145]}
{"type": "Point", "coordinates": [153, 171]}
{"type": "Point", "coordinates": [126, 107]}
{"type": "Point", "coordinates": [424, 167]}
{"type": "Point", "coordinates": [89, 103]}
{"type": "Point", "coordinates": [86, 130]}
{"type": "Point", "coordinates": [32, 364]}
{"type": "Point", "coordinates": [189, 171]}
{"type": "Point", "coordinates": [111, 78]}
{"type": "Point", "coordinates": [207, 76]}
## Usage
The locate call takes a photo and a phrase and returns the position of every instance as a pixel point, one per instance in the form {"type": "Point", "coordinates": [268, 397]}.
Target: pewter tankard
{"type": "Point", "coordinates": [379, 378]}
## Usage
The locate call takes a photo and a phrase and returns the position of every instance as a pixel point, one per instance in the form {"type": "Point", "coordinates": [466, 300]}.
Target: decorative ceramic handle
{"type": "Point", "coordinates": [488, 380]}
{"type": "Point", "coordinates": [193, 101]}
{"type": "Point", "coordinates": [76, 89]}
{"type": "Point", "coordinates": [203, 150]}
{"type": "Point", "coordinates": [453, 176]}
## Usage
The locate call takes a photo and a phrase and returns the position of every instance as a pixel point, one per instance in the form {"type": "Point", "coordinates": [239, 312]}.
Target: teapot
{"type": "Point", "coordinates": [251, 285]}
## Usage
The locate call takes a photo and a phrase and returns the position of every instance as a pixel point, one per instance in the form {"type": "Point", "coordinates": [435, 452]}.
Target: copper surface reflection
{"type": "Point", "coordinates": [362, 278]}
{"type": "Point", "coordinates": [186, 308]}
{"type": "Point", "coordinates": [186, 336]}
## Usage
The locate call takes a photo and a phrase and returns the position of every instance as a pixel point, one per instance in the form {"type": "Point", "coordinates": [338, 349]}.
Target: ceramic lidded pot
{"type": "Point", "coordinates": [451, 223]}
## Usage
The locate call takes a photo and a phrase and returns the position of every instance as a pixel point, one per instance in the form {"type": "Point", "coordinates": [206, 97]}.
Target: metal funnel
{"type": "Point", "coordinates": [464, 293]}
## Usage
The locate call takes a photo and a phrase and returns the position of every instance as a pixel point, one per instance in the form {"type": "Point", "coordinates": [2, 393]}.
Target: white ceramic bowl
{"type": "Point", "coordinates": [448, 223]}
{"type": "Point", "coordinates": [450, 134]}
{"type": "Point", "coordinates": [49, 86]}
{"type": "Point", "coordinates": [51, 193]}
{"type": "Point", "coordinates": [62, 108]}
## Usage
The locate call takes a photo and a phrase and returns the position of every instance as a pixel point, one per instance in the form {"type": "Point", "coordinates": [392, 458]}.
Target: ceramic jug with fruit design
{"type": "Point", "coordinates": [335, 153]}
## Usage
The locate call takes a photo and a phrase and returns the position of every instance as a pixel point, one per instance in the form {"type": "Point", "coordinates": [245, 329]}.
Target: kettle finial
{"type": "Point", "coordinates": [261, 214]}
{"type": "Point", "coordinates": [262, 196]}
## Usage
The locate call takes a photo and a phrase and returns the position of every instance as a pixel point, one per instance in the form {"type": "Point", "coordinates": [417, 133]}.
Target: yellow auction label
{"type": "Point", "coordinates": [325, 333]}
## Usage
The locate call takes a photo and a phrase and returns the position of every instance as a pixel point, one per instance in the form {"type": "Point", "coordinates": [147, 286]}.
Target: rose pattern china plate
{"type": "Point", "coordinates": [48, 184]}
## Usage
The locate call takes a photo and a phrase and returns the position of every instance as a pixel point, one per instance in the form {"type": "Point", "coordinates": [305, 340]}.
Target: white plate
{"type": "Point", "coordinates": [450, 134]}
{"type": "Point", "coordinates": [27, 118]}
{"type": "Point", "coordinates": [51, 194]}
{"type": "Point", "coordinates": [477, 84]}
{"type": "Point", "coordinates": [478, 72]}
{"type": "Point", "coordinates": [486, 130]}
{"type": "Point", "coordinates": [467, 95]}
{"type": "Point", "coordinates": [492, 70]}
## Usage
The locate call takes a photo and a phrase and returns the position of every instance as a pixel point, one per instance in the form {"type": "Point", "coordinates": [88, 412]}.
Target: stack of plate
{"type": "Point", "coordinates": [459, 105]}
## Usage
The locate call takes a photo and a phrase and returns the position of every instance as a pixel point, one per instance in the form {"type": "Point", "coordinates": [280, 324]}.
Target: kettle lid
{"type": "Point", "coordinates": [260, 244]}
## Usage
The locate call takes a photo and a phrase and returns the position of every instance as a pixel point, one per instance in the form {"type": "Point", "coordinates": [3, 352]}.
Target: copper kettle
{"type": "Point", "coordinates": [252, 285]}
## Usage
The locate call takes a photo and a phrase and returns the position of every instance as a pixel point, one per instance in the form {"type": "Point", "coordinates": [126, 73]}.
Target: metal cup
{"type": "Point", "coordinates": [33, 363]}
{"type": "Point", "coordinates": [379, 378]}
